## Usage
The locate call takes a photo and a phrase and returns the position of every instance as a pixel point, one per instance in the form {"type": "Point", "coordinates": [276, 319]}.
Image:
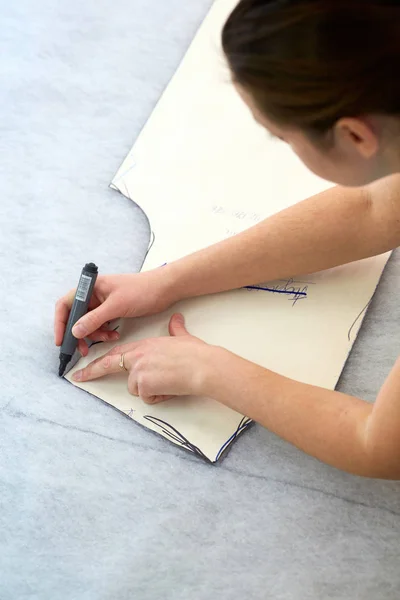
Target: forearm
{"type": "Point", "coordinates": [335, 227]}
{"type": "Point", "coordinates": [338, 429]}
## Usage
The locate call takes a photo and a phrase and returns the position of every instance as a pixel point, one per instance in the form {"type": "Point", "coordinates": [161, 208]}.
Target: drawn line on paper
{"type": "Point", "coordinates": [244, 424]}
{"type": "Point", "coordinates": [125, 173]}
{"type": "Point", "coordinates": [265, 289]}
{"type": "Point", "coordinates": [129, 412]}
{"type": "Point", "coordinates": [101, 341]}
{"type": "Point", "coordinates": [357, 318]}
{"type": "Point", "coordinates": [180, 439]}
{"type": "Point", "coordinates": [176, 436]}
{"type": "Point", "coordinates": [127, 191]}
{"type": "Point", "coordinates": [290, 288]}
{"type": "Point", "coordinates": [126, 194]}
{"type": "Point", "coordinates": [291, 280]}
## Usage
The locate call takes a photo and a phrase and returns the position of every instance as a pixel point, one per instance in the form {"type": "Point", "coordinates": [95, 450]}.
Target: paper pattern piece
{"type": "Point", "coordinates": [203, 170]}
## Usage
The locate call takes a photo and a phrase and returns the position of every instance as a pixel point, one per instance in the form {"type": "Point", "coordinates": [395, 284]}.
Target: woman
{"type": "Point", "coordinates": [322, 76]}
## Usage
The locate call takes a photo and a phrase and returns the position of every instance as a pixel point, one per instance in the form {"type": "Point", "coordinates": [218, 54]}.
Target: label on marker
{"type": "Point", "coordinates": [83, 288]}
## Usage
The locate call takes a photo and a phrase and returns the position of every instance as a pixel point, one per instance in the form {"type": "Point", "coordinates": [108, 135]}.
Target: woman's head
{"type": "Point", "coordinates": [323, 75]}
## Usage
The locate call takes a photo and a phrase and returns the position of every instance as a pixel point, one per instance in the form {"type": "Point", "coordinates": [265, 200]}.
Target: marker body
{"type": "Point", "coordinates": [79, 308]}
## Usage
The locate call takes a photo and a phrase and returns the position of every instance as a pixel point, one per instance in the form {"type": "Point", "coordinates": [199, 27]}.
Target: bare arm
{"type": "Point", "coordinates": [343, 431]}
{"type": "Point", "coordinates": [335, 227]}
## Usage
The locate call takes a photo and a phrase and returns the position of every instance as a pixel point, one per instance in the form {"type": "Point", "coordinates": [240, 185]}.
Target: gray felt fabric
{"type": "Point", "coordinates": [93, 507]}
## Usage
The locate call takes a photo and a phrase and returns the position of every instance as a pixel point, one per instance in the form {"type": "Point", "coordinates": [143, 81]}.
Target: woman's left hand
{"type": "Point", "coordinates": [159, 368]}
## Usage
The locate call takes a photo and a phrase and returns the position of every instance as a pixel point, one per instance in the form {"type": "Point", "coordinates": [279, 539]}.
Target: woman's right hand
{"type": "Point", "coordinates": [114, 296]}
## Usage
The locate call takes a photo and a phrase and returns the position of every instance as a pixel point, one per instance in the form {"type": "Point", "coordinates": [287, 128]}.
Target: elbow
{"type": "Point", "coordinates": [377, 468]}
{"type": "Point", "coordinates": [382, 455]}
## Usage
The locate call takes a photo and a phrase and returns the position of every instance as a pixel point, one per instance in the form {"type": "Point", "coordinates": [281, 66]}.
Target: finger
{"type": "Point", "coordinates": [83, 348]}
{"type": "Point", "coordinates": [105, 365]}
{"type": "Point", "coordinates": [176, 325]}
{"type": "Point", "coordinates": [93, 320]}
{"type": "Point", "coordinates": [102, 335]}
{"type": "Point", "coordinates": [156, 399]}
{"type": "Point", "coordinates": [62, 310]}
{"type": "Point", "coordinates": [132, 385]}
{"type": "Point", "coordinates": [98, 336]}
{"type": "Point", "coordinates": [125, 348]}
{"type": "Point", "coordinates": [63, 306]}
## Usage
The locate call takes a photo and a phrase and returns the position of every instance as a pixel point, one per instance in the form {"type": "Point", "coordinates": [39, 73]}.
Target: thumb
{"type": "Point", "coordinates": [177, 325]}
{"type": "Point", "coordinates": [93, 320]}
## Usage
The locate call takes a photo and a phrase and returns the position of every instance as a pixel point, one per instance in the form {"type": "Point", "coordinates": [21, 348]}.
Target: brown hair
{"type": "Point", "coordinates": [307, 63]}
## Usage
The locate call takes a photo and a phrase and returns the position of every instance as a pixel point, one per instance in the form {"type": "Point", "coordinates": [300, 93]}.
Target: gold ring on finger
{"type": "Point", "coordinates": [121, 362]}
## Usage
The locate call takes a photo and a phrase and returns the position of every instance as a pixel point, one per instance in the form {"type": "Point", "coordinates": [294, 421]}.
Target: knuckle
{"type": "Point", "coordinates": [140, 366]}
{"type": "Point", "coordinates": [144, 385]}
{"type": "Point", "coordinates": [132, 387]}
{"type": "Point", "coordinates": [91, 321]}
{"type": "Point", "coordinates": [106, 362]}
{"type": "Point", "coordinates": [117, 350]}
{"type": "Point", "coordinates": [149, 399]}
{"type": "Point", "coordinates": [138, 356]}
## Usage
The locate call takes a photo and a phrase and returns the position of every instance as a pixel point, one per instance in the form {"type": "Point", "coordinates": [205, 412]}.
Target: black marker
{"type": "Point", "coordinates": [79, 308]}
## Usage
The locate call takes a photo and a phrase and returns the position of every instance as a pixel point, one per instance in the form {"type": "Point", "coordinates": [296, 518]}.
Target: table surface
{"type": "Point", "coordinates": [94, 507]}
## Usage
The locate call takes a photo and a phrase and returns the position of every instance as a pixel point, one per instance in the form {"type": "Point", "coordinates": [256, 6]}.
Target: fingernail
{"type": "Point", "coordinates": [179, 318]}
{"type": "Point", "coordinates": [77, 376]}
{"type": "Point", "coordinates": [114, 335]}
{"type": "Point", "coordinates": [79, 330]}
